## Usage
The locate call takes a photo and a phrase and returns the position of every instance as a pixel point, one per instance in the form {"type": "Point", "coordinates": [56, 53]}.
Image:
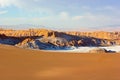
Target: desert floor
{"type": "Point", "coordinates": [22, 64]}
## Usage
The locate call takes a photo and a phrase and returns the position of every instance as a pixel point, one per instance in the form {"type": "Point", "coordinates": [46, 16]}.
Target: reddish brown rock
{"type": "Point", "coordinates": [99, 38]}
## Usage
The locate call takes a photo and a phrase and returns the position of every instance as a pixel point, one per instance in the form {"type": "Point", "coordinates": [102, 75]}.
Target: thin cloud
{"type": "Point", "coordinates": [5, 3]}
{"type": "Point", "coordinates": [77, 17]}
{"type": "Point", "coordinates": [60, 12]}
{"type": "Point", "coordinates": [3, 12]}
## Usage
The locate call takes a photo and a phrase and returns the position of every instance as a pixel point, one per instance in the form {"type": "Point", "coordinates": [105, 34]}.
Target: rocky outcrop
{"type": "Point", "coordinates": [44, 39]}
{"type": "Point", "coordinates": [98, 34]}
{"type": "Point", "coordinates": [25, 41]}
{"type": "Point", "coordinates": [98, 50]}
{"type": "Point", "coordinates": [47, 33]}
{"type": "Point", "coordinates": [26, 33]}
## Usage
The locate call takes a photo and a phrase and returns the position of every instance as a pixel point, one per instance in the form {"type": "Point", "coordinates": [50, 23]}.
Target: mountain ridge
{"type": "Point", "coordinates": [50, 39]}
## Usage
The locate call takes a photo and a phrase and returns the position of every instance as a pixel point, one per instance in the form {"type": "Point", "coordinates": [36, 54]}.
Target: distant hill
{"type": "Point", "coordinates": [22, 26]}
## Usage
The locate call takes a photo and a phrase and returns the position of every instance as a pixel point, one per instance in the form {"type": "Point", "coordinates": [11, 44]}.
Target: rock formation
{"type": "Point", "coordinates": [98, 50]}
{"type": "Point", "coordinates": [54, 39]}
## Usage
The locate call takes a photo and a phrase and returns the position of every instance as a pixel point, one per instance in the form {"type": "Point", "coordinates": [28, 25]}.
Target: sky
{"type": "Point", "coordinates": [62, 14]}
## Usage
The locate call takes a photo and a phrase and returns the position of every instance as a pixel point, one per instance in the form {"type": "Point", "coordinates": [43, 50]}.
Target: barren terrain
{"type": "Point", "coordinates": [23, 64]}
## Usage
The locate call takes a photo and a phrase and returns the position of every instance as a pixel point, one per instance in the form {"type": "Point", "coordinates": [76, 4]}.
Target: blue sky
{"type": "Point", "coordinates": [62, 14]}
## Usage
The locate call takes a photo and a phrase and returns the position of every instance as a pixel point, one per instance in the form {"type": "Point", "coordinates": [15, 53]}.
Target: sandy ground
{"type": "Point", "coordinates": [21, 64]}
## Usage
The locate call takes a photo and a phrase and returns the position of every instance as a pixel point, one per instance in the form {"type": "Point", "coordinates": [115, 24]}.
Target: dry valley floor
{"type": "Point", "coordinates": [25, 64]}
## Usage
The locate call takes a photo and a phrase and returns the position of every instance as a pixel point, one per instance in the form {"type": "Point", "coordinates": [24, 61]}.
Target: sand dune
{"type": "Point", "coordinates": [24, 64]}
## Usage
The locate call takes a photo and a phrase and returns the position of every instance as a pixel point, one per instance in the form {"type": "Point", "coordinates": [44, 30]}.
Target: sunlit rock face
{"type": "Point", "coordinates": [98, 34]}
{"type": "Point", "coordinates": [46, 33]}
{"type": "Point", "coordinates": [49, 39]}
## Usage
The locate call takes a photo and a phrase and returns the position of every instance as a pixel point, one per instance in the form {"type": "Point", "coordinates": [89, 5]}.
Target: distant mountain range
{"type": "Point", "coordinates": [22, 26]}
{"type": "Point", "coordinates": [108, 28]}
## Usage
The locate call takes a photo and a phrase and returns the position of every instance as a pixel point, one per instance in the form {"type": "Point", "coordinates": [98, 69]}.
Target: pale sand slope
{"type": "Point", "coordinates": [21, 64]}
